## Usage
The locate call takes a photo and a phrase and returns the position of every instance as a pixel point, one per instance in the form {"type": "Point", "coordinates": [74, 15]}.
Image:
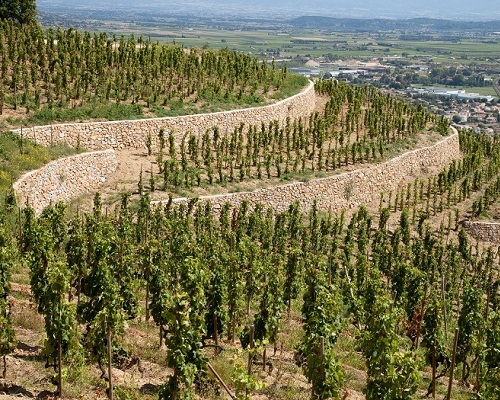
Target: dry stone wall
{"type": "Point", "coordinates": [483, 231]}
{"type": "Point", "coordinates": [133, 134]}
{"type": "Point", "coordinates": [65, 179]}
{"type": "Point", "coordinates": [350, 189]}
{"type": "Point", "coordinates": [68, 178]}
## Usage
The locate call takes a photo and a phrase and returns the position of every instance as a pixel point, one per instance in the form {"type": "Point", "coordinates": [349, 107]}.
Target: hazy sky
{"type": "Point", "coordinates": [450, 9]}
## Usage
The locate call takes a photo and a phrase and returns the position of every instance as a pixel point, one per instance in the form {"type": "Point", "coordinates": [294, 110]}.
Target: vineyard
{"type": "Point", "coordinates": [67, 75]}
{"type": "Point", "coordinates": [181, 301]}
{"type": "Point", "coordinates": [357, 125]}
{"type": "Point", "coordinates": [352, 126]}
{"type": "Point", "coordinates": [388, 282]}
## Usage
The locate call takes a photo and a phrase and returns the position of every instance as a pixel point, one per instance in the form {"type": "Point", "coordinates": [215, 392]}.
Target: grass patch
{"type": "Point", "coordinates": [92, 110]}
{"type": "Point", "coordinates": [144, 342]}
{"type": "Point", "coordinates": [175, 109]}
{"type": "Point", "coordinates": [126, 392]}
{"type": "Point", "coordinates": [28, 318]}
{"type": "Point", "coordinates": [290, 86]}
{"type": "Point", "coordinates": [348, 353]}
{"type": "Point", "coordinates": [16, 157]}
{"type": "Point", "coordinates": [206, 102]}
{"type": "Point", "coordinates": [20, 155]}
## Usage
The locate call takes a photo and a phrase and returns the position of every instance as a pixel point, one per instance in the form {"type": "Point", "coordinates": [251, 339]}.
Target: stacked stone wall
{"type": "Point", "coordinates": [65, 179]}
{"type": "Point", "coordinates": [73, 176]}
{"type": "Point", "coordinates": [483, 231]}
{"type": "Point", "coordinates": [133, 133]}
{"type": "Point", "coordinates": [70, 177]}
{"type": "Point", "coordinates": [349, 189]}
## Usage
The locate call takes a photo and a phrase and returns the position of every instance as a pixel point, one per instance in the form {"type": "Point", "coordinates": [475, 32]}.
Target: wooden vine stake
{"type": "Point", "coordinates": [322, 356]}
{"type": "Point", "coordinates": [264, 352]}
{"type": "Point", "coordinates": [422, 311]}
{"type": "Point", "coordinates": [110, 372]}
{"type": "Point", "coordinates": [59, 367]}
{"type": "Point", "coordinates": [321, 351]}
{"type": "Point", "coordinates": [434, 371]}
{"type": "Point", "coordinates": [250, 353]}
{"type": "Point", "coordinates": [217, 376]}
{"type": "Point", "coordinates": [264, 358]}
{"type": "Point", "coordinates": [21, 141]}
{"type": "Point", "coordinates": [452, 368]}
{"type": "Point", "coordinates": [444, 307]}
{"type": "Point", "coordinates": [252, 344]}
{"type": "Point", "coordinates": [216, 334]}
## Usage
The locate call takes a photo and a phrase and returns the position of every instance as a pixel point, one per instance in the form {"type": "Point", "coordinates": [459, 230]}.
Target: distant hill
{"type": "Point", "coordinates": [449, 9]}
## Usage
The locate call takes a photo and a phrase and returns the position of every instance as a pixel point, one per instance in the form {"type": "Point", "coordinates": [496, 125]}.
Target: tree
{"type": "Point", "coordinates": [490, 387]}
{"type": "Point", "coordinates": [470, 321]}
{"type": "Point", "coordinates": [322, 318]}
{"type": "Point", "coordinates": [7, 335]}
{"type": "Point", "coordinates": [185, 317]}
{"type": "Point", "coordinates": [392, 370]}
{"type": "Point", "coordinates": [22, 11]}
{"type": "Point", "coordinates": [50, 284]}
{"type": "Point", "coordinates": [60, 320]}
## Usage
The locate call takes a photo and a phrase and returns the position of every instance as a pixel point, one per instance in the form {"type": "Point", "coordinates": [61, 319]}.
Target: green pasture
{"type": "Point", "coordinates": [293, 43]}
{"type": "Point", "coordinates": [483, 90]}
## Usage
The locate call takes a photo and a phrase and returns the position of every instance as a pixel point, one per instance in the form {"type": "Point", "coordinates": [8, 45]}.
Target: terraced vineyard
{"type": "Point", "coordinates": [182, 301]}
{"type": "Point", "coordinates": [67, 75]}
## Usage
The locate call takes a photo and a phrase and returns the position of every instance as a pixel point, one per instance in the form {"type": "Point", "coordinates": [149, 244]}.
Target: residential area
{"type": "Point", "coordinates": [435, 86]}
